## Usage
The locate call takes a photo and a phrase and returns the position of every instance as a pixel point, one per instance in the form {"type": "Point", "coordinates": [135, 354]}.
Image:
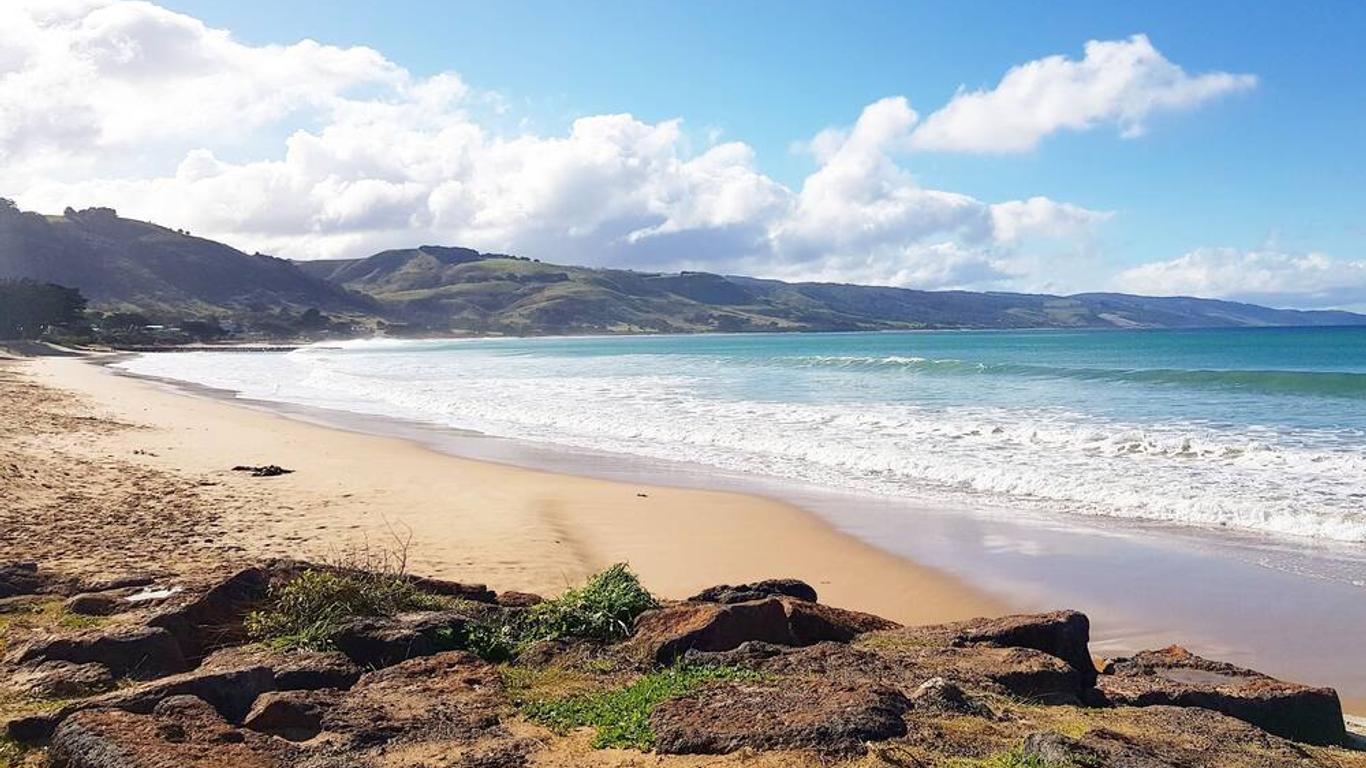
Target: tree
{"type": "Point", "coordinates": [29, 308]}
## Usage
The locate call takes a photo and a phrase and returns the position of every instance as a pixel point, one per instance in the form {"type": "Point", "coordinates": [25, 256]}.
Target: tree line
{"type": "Point", "coordinates": [28, 308]}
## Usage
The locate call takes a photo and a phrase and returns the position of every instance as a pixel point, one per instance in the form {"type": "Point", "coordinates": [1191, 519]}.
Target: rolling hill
{"type": "Point", "coordinates": [123, 264]}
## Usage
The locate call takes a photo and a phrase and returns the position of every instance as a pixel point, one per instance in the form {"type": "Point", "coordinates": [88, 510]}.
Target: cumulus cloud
{"type": "Point", "coordinates": [1117, 81]}
{"type": "Point", "coordinates": [313, 151]}
{"type": "Point", "coordinates": [1265, 276]}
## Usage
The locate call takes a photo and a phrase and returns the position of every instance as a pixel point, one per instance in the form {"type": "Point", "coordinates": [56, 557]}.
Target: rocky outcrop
{"type": "Point", "coordinates": [383, 640]}
{"type": "Point", "coordinates": [454, 694]}
{"type": "Point", "coordinates": [941, 697]}
{"type": "Point", "coordinates": [291, 715]}
{"type": "Point", "coordinates": [183, 732]}
{"type": "Point", "coordinates": [291, 670]}
{"type": "Point", "coordinates": [214, 618]}
{"type": "Point", "coordinates": [816, 623]}
{"type": "Point", "coordinates": [820, 715]}
{"type": "Point", "coordinates": [1063, 634]}
{"type": "Point", "coordinates": [667, 633]}
{"type": "Point", "coordinates": [22, 579]}
{"type": "Point", "coordinates": [135, 652]}
{"type": "Point", "coordinates": [61, 680]}
{"type": "Point", "coordinates": [1175, 676]}
{"type": "Point", "coordinates": [744, 593]}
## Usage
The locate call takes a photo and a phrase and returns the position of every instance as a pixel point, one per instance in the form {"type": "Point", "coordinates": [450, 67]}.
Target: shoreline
{"type": "Point", "coordinates": [912, 582]}
{"type": "Point", "coordinates": [518, 528]}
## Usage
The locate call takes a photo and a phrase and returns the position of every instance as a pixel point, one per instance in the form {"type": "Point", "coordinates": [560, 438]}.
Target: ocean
{"type": "Point", "coordinates": [1257, 431]}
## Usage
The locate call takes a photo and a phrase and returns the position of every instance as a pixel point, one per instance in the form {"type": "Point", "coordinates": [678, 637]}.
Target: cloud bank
{"type": "Point", "coordinates": [315, 151]}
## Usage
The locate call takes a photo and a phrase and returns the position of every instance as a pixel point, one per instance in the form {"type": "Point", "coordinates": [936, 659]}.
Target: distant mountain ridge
{"type": "Point", "coordinates": [124, 264]}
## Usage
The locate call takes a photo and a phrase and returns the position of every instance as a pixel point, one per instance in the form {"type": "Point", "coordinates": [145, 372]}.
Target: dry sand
{"type": "Point", "coordinates": [111, 472]}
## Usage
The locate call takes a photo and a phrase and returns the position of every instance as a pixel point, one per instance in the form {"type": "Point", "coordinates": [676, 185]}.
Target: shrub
{"type": "Point", "coordinates": [307, 611]}
{"type": "Point", "coordinates": [603, 609]}
{"type": "Point", "coordinates": [622, 715]}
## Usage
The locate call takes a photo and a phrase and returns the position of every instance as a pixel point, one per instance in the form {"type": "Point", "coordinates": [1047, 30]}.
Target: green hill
{"type": "Point", "coordinates": [126, 265]}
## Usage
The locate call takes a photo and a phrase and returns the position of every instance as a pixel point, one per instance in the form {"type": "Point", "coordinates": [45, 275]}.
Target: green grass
{"type": "Point", "coordinates": [11, 754]}
{"type": "Point", "coordinates": [622, 715]}
{"type": "Point", "coordinates": [306, 612]}
{"type": "Point", "coordinates": [602, 610]}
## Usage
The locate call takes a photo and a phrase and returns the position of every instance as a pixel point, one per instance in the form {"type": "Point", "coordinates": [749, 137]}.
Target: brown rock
{"type": "Point", "coordinates": [744, 593]}
{"type": "Point", "coordinates": [292, 670]}
{"type": "Point", "coordinates": [519, 599]}
{"type": "Point", "coordinates": [1175, 676]}
{"type": "Point", "coordinates": [214, 619]}
{"type": "Point", "coordinates": [1064, 634]}
{"type": "Point", "coordinates": [814, 623]}
{"type": "Point", "coordinates": [21, 579]}
{"type": "Point", "coordinates": [825, 716]}
{"type": "Point", "coordinates": [182, 732]}
{"type": "Point", "coordinates": [62, 679]}
{"type": "Point", "coordinates": [292, 715]}
{"type": "Point", "coordinates": [667, 633]}
{"type": "Point", "coordinates": [453, 695]}
{"type": "Point", "coordinates": [381, 641]}
{"type": "Point", "coordinates": [96, 604]}
{"type": "Point", "coordinates": [939, 696]}
{"type": "Point", "coordinates": [137, 652]}
{"type": "Point", "coordinates": [477, 593]}
{"type": "Point", "coordinates": [1095, 748]}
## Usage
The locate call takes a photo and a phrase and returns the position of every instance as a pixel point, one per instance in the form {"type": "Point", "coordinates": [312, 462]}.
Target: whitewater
{"type": "Point", "coordinates": [1260, 430]}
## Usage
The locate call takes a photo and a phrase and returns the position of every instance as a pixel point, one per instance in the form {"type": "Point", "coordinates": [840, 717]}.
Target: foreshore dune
{"type": "Point", "coordinates": [466, 520]}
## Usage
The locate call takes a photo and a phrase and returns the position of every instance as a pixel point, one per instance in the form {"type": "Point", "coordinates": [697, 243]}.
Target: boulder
{"type": "Point", "coordinates": [291, 715]}
{"type": "Point", "coordinates": [820, 715]}
{"type": "Point", "coordinates": [744, 593]}
{"type": "Point", "coordinates": [381, 641]}
{"type": "Point", "coordinates": [453, 695]}
{"type": "Point", "coordinates": [1064, 634]}
{"type": "Point", "coordinates": [182, 731]}
{"type": "Point", "coordinates": [136, 652]}
{"type": "Point", "coordinates": [62, 679]}
{"type": "Point", "coordinates": [1175, 676]}
{"type": "Point", "coordinates": [941, 697]}
{"type": "Point", "coordinates": [21, 579]}
{"type": "Point", "coordinates": [292, 670]}
{"type": "Point", "coordinates": [477, 593]}
{"type": "Point", "coordinates": [812, 622]}
{"type": "Point", "coordinates": [1020, 672]}
{"type": "Point", "coordinates": [214, 618]}
{"type": "Point", "coordinates": [96, 604]}
{"type": "Point", "coordinates": [1095, 748]}
{"type": "Point", "coordinates": [667, 633]}
{"type": "Point", "coordinates": [519, 599]}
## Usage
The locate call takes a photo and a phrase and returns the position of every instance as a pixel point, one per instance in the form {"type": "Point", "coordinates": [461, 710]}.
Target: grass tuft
{"type": "Point", "coordinates": [622, 715]}
{"type": "Point", "coordinates": [1015, 758]}
{"type": "Point", "coordinates": [307, 611]}
{"type": "Point", "coordinates": [603, 609]}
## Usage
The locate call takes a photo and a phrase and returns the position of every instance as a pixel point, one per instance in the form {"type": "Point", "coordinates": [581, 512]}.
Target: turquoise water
{"type": "Point", "coordinates": [1254, 429]}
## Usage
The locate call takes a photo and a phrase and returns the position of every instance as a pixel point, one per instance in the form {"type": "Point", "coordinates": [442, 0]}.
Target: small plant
{"type": "Point", "coordinates": [603, 609]}
{"type": "Point", "coordinates": [622, 715]}
{"type": "Point", "coordinates": [11, 754]}
{"type": "Point", "coordinates": [1015, 758]}
{"type": "Point", "coordinates": [307, 611]}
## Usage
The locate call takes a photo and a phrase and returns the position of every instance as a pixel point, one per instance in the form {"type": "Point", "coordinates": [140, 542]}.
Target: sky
{"type": "Point", "coordinates": [1214, 149]}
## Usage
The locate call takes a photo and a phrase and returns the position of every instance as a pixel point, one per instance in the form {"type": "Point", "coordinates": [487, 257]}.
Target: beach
{"type": "Point", "coordinates": [109, 444]}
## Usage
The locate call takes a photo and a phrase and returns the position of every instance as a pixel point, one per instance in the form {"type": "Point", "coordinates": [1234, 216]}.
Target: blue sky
{"type": "Point", "coordinates": [1263, 179]}
{"type": "Point", "coordinates": [1287, 162]}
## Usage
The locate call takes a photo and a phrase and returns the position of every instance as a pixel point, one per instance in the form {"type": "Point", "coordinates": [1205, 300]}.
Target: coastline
{"type": "Point", "coordinates": [517, 528]}
{"type": "Point", "coordinates": [529, 523]}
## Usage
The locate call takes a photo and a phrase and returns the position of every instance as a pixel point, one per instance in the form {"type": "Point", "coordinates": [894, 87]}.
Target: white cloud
{"type": "Point", "coordinates": [312, 151]}
{"type": "Point", "coordinates": [1118, 81]}
{"type": "Point", "coordinates": [1265, 276]}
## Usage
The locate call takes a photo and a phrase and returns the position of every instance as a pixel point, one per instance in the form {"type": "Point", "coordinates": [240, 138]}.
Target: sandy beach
{"type": "Point", "coordinates": [116, 473]}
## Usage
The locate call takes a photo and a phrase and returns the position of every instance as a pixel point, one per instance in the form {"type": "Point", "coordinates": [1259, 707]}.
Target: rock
{"type": "Point", "coordinates": [120, 581]}
{"type": "Point", "coordinates": [292, 715]}
{"type": "Point", "coordinates": [667, 633]}
{"type": "Point", "coordinates": [136, 652]}
{"type": "Point", "coordinates": [182, 732]}
{"type": "Point", "coordinates": [825, 716]}
{"type": "Point", "coordinates": [519, 599]}
{"type": "Point", "coordinates": [939, 696]}
{"type": "Point", "coordinates": [477, 593]}
{"type": "Point", "coordinates": [62, 679]}
{"type": "Point", "coordinates": [744, 593]}
{"type": "Point", "coordinates": [292, 670]}
{"type": "Point", "coordinates": [214, 619]}
{"type": "Point", "coordinates": [381, 641]}
{"type": "Point", "coordinates": [452, 694]}
{"type": "Point", "coordinates": [1095, 748]}
{"type": "Point", "coordinates": [1175, 676]}
{"type": "Point", "coordinates": [20, 579]}
{"type": "Point", "coordinates": [96, 604]}
{"type": "Point", "coordinates": [812, 622]}
{"type": "Point", "coordinates": [1020, 672]}
{"type": "Point", "coordinates": [1064, 634]}
{"type": "Point", "coordinates": [747, 654]}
